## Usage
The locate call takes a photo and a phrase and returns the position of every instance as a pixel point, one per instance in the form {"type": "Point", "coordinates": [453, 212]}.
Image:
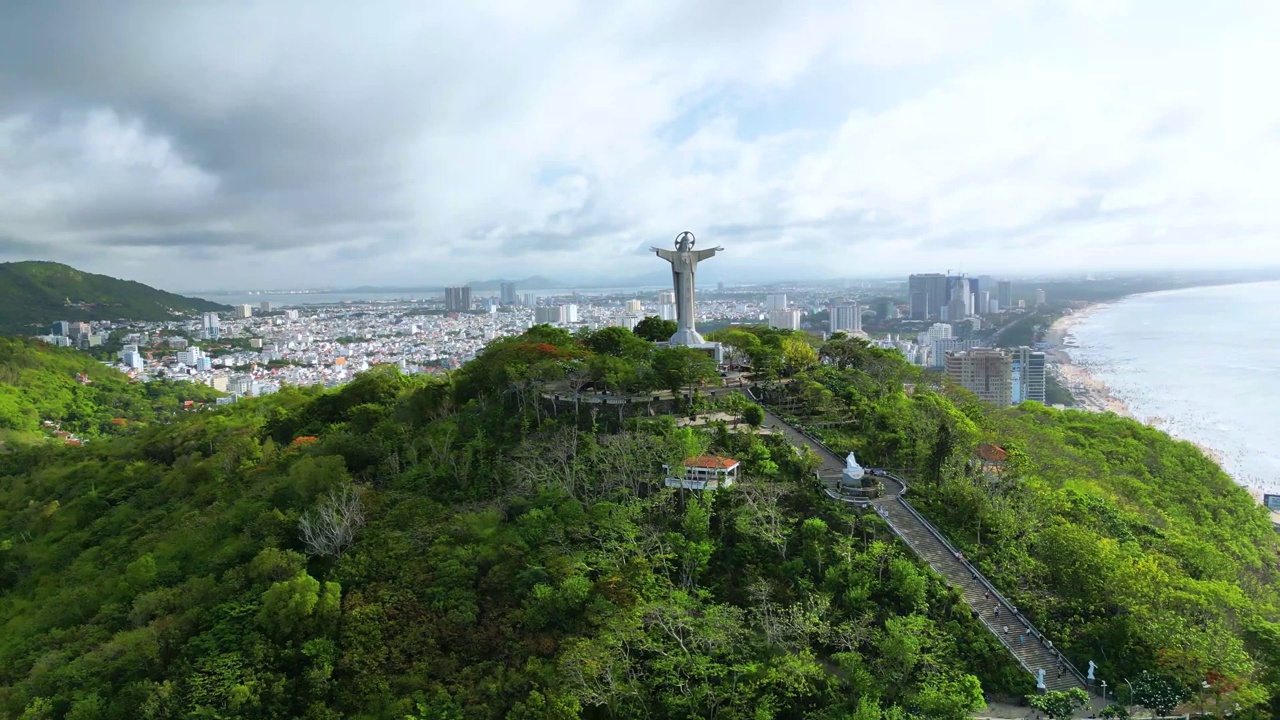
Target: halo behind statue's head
{"type": "Point", "coordinates": [685, 241]}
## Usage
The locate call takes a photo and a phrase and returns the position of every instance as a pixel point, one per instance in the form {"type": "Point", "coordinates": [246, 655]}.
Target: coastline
{"type": "Point", "coordinates": [1092, 395]}
{"type": "Point", "coordinates": [1089, 392]}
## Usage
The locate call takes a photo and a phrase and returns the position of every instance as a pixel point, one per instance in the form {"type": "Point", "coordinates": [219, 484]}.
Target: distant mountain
{"type": "Point", "coordinates": [533, 282]}
{"type": "Point", "coordinates": [33, 295]}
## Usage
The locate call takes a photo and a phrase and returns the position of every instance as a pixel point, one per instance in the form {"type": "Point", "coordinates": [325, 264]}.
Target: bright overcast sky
{"type": "Point", "coordinates": [293, 144]}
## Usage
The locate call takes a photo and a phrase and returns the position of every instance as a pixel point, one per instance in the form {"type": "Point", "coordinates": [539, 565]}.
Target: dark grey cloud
{"type": "Point", "coordinates": [285, 142]}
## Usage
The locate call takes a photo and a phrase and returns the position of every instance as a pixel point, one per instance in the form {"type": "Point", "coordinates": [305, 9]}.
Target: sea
{"type": "Point", "coordinates": [1202, 364]}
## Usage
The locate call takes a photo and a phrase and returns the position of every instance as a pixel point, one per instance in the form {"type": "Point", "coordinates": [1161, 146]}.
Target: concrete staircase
{"type": "Point", "coordinates": [1032, 650]}
{"type": "Point", "coordinates": [1017, 634]}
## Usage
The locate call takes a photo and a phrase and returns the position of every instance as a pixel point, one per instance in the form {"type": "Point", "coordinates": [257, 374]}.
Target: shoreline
{"type": "Point", "coordinates": [1093, 395]}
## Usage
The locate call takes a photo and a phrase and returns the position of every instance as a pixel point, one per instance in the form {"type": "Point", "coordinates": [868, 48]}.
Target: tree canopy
{"type": "Point", "coordinates": [469, 546]}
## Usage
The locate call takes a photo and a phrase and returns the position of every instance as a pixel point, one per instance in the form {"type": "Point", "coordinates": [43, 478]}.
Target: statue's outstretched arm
{"type": "Point", "coordinates": [668, 255]}
{"type": "Point", "coordinates": [704, 254]}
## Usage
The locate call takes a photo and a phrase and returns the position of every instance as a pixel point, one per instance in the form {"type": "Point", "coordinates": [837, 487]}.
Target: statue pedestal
{"type": "Point", "coordinates": [686, 337]}
{"type": "Point", "coordinates": [714, 349]}
{"type": "Point", "coordinates": [853, 474]}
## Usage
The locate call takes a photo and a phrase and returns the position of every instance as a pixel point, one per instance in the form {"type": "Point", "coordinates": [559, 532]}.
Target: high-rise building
{"type": "Point", "coordinates": [987, 372]}
{"type": "Point", "coordinates": [984, 303]}
{"type": "Point", "coordinates": [1004, 294]}
{"type": "Point", "coordinates": [62, 328]}
{"type": "Point", "coordinates": [635, 306]}
{"type": "Point", "coordinates": [666, 297]}
{"type": "Point", "coordinates": [1028, 381]}
{"type": "Point", "coordinates": [211, 328]}
{"type": "Point", "coordinates": [720, 286]}
{"type": "Point", "coordinates": [784, 319]}
{"type": "Point", "coordinates": [243, 312]}
{"type": "Point", "coordinates": [887, 310]}
{"type": "Point", "coordinates": [624, 319]}
{"type": "Point", "coordinates": [957, 309]}
{"type": "Point", "coordinates": [507, 293]}
{"type": "Point", "coordinates": [132, 359]}
{"type": "Point", "coordinates": [553, 315]}
{"type": "Point", "coordinates": [668, 311]}
{"type": "Point", "coordinates": [457, 299]}
{"type": "Point", "coordinates": [1040, 297]}
{"type": "Point", "coordinates": [239, 384]}
{"type": "Point", "coordinates": [929, 293]}
{"type": "Point", "coordinates": [76, 329]}
{"type": "Point", "coordinates": [571, 313]}
{"type": "Point", "coordinates": [290, 314]}
{"type": "Point", "coordinates": [846, 317]}
{"type": "Point", "coordinates": [530, 300]}
{"type": "Point", "coordinates": [265, 306]}
{"type": "Point", "coordinates": [775, 302]}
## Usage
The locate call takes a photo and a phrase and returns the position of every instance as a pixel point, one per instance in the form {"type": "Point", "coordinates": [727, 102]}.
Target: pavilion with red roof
{"type": "Point", "coordinates": [706, 472]}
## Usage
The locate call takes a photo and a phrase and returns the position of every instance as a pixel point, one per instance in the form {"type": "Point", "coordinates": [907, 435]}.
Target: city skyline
{"type": "Point", "coordinates": [239, 146]}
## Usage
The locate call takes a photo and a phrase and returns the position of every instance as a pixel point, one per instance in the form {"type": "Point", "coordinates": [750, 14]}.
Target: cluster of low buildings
{"type": "Point", "coordinates": [256, 349]}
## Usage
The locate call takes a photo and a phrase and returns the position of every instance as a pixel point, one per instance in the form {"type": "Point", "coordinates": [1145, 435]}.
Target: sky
{"type": "Point", "coordinates": [283, 144]}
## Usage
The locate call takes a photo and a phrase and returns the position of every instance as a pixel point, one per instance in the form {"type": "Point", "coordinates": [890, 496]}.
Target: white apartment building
{"type": "Point", "coordinates": [191, 356]}
{"type": "Point", "coordinates": [784, 319]}
{"type": "Point", "coordinates": [846, 317]}
{"type": "Point", "coordinates": [554, 315]}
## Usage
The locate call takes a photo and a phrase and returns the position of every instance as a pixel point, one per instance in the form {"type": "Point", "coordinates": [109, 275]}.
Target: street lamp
{"type": "Point", "coordinates": [1103, 683]}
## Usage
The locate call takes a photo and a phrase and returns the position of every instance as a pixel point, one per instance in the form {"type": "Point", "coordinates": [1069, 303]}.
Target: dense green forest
{"type": "Point", "coordinates": [34, 295]}
{"type": "Point", "coordinates": [40, 383]}
{"type": "Point", "coordinates": [467, 547]}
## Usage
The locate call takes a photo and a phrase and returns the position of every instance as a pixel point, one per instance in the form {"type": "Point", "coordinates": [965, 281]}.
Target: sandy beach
{"type": "Point", "coordinates": [1088, 391]}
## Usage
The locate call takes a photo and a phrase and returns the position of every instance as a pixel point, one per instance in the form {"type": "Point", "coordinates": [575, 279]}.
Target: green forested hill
{"type": "Point", "coordinates": [78, 394]}
{"type": "Point", "coordinates": [458, 548]}
{"type": "Point", "coordinates": [35, 294]}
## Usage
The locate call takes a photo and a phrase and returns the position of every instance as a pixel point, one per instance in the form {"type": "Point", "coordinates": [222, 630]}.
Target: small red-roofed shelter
{"type": "Point", "coordinates": [992, 458]}
{"type": "Point", "coordinates": [706, 472]}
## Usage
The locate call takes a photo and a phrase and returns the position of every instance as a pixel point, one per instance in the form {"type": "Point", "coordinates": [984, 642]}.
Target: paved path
{"type": "Point", "coordinates": [1032, 651]}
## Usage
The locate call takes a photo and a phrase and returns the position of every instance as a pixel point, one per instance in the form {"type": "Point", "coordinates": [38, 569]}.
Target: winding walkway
{"type": "Point", "coordinates": [1028, 646]}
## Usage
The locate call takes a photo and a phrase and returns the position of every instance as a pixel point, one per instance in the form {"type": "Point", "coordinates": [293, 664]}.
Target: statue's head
{"type": "Point", "coordinates": [684, 241]}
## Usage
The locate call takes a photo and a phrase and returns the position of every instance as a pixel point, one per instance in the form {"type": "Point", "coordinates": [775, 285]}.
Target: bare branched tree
{"type": "Point", "coordinates": [330, 528]}
{"type": "Point", "coordinates": [762, 515]}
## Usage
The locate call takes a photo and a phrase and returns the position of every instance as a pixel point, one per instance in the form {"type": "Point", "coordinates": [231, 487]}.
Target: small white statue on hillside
{"type": "Point", "coordinates": [853, 472]}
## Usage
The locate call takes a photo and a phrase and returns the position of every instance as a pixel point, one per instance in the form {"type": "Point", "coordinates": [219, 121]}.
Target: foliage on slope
{"type": "Point", "coordinates": [510, 565]}
{"type": "Point", "coordinates": [34, 294]}
{"type": "Point", "coordinates": [517, 560]}
{"type": "Point", "coordinates": [1132, 549]}
{"type": "Point", "coordinates": [39, 382]}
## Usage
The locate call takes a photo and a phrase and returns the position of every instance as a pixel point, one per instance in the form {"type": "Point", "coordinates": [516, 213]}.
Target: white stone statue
{"type": "Point", "coordinates": [1040, 680]}
{"type": "Point", "coordinates": [684, 264]}
{"type": "Point", "coordinates": [853, 472]}
{"type": "Point", "coordinates": [1092, 667]}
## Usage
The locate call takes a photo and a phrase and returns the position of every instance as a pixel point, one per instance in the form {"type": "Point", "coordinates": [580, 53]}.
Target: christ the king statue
{"type": "Point", "coordinates": [684, 263]}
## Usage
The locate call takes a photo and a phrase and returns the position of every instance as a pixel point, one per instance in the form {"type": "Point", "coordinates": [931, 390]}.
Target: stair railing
{"type": "Point", "coordinates": [977, 575]}
{"type": "Point", "coordinates": [1035, 632]}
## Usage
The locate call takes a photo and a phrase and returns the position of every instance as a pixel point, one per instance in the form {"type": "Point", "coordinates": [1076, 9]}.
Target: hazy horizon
{"type": "Point", "coordinates": [282, 145]}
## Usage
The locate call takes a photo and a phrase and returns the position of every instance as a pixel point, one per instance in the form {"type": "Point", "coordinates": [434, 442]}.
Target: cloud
{"type": "Point", "coordinates": [197, 144]}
